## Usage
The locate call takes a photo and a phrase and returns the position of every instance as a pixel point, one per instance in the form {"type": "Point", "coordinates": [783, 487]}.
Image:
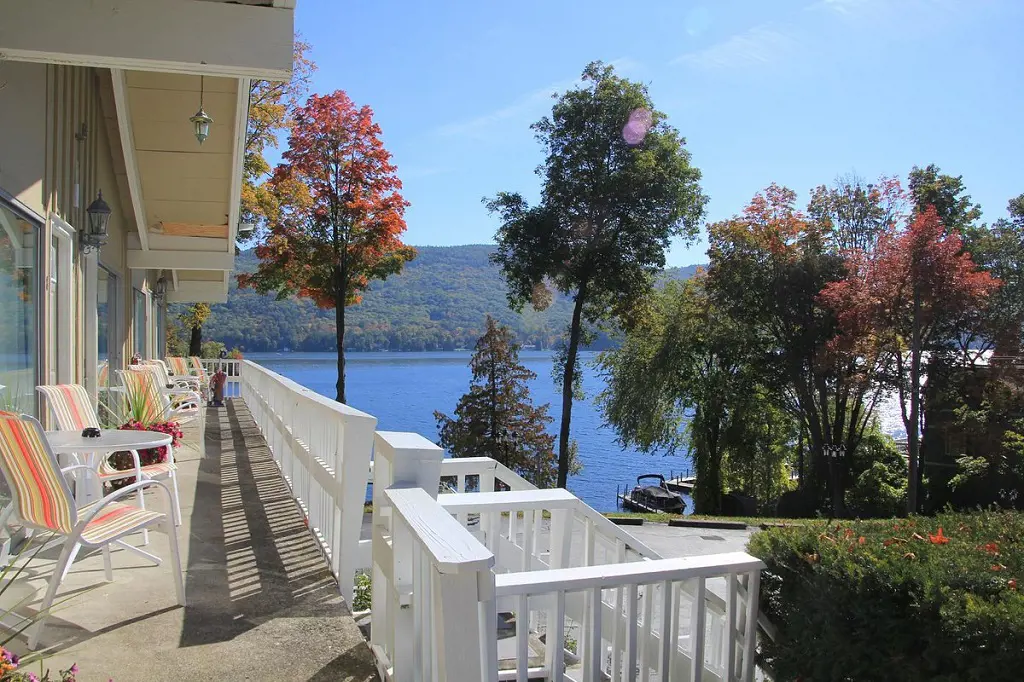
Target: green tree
{"type": "Point", "coordinates": [929, 186]}
{"type": "Point", "coordinates": [193, 318]}
{"type": "Point", "coordinates": [271, 104]}
{"type": "Point", "coordinates": [683, 377]}
{"type": "Point", "coordinates": [617, 187]}
{"type": "Point", "coordinates": [497, 418]}
{"type": "Point", "coordinates": [999, 249]}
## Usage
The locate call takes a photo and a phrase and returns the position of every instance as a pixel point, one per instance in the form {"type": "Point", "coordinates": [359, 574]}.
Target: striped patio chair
{"type": "Point", "coordinates": [183, 368]}
{"type": "Point", "coordinates": [73, 411]}
{"type": "Point", "coordinates": [186, 382]}
{"type": "Point", "coordinates": [103, 375]}
{"type": "Point", "coordinates": [199, 370]}
{"type": "Point", "coordinates": [43, 501]}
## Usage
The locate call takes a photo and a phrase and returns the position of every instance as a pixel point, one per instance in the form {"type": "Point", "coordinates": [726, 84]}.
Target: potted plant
{"type": "Point", "coordinates": [137, 413]}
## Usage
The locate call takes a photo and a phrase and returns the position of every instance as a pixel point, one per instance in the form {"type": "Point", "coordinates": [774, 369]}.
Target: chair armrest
{"type": "Point", "coordinates": [83, 467]}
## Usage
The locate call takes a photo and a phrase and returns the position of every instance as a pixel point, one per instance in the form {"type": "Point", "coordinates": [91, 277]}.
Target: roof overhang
{"type": "Point", "coordinates": [175, 36]}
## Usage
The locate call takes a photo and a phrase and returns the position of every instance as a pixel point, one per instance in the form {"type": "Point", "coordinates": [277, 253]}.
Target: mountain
{"type": "Point", "coordinates": [438, 302]}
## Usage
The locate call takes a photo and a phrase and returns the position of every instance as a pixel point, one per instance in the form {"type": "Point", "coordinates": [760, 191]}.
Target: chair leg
{"type": "Point", "coordinates": [172, 540]}
{"type": "Point", "coordinates": [70, 548]}
{"type": "Point", "coordinates": [108, 566]}
{"type": "Point", "coordinates": [177, 500]}
{"type": "Point", "coordinates": [142, 505]}
{"type": "Point", "coordinates": [71, 560]}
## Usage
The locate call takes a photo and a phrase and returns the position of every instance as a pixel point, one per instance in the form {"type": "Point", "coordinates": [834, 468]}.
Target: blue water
{"type": "Point", "coordinates": [403, 389]}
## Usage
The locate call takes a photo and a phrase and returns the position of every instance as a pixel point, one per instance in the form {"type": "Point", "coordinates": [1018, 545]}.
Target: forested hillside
{"type": "Point", "coordinates": [438, 302]}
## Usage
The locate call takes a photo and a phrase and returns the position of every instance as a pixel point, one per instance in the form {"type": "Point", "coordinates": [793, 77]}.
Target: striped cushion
{"type": "Point", "coordinates": [179, 366]}
{"type": "Point", "coordinates": [148, 471]}
{"type": "Point", "coordinates": [103, 375]}
{"type": "Point", "coordinates": [116, 519]}
{"type": "Point", "coordinates": [41, 493]}
{"type": "Point", "coordinates": [71, 406]}
{"type": "Point", "coordinates": [198, 369]}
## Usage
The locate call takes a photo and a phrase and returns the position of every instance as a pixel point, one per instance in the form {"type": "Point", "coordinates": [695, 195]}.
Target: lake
{"type": "Point", "coordinates": [403, 389]}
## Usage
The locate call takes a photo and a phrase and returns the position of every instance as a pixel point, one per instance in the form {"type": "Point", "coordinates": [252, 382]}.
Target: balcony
{"type": "Point", "coordinates": [468, 583]}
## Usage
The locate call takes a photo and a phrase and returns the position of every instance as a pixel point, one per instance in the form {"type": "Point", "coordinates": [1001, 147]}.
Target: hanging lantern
{"type": "Point", "coordinates": [201, 120]}
{"type": "Point", "coordinates": [95, 236]}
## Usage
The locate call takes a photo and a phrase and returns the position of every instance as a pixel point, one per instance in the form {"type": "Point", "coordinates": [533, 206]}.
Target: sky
{"type": "Point", "coordinates": [793, 92]}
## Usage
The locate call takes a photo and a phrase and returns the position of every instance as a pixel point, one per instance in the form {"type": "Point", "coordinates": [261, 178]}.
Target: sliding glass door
{"type": "Point", "coordinates": [19, 302]}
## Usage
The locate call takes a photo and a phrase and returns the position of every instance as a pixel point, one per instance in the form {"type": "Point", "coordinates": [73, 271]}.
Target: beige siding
{"type": "Point", "coordinates": [23, 132]}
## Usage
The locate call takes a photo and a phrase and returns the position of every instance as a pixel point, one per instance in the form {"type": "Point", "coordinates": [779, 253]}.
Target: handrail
{"type": "Point", "coordinates": [451, 548]}
{"type": "Point", "coordinates": [323, 450]}
{"type": "Point", "coordinates": [606, 576]}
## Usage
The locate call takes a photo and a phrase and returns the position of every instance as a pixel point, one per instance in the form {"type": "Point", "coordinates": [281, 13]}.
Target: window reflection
{"type": "Point", "coordinates": [18, 296]}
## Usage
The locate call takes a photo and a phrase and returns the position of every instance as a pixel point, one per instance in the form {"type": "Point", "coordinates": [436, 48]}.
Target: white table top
{"type": "Point", "coordinates": [109, 441]}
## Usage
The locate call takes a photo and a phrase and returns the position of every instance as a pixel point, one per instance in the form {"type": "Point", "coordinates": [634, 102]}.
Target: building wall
{"type": "Point", "coordinates": [55, 155]}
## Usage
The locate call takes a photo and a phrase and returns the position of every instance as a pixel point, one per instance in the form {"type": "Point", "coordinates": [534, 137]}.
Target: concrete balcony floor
{"type": "Point", "coordinates": [262, 604]}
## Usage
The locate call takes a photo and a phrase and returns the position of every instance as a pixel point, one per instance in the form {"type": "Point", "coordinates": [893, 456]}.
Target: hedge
{"type": "Point", "coordinates": [936, 598]}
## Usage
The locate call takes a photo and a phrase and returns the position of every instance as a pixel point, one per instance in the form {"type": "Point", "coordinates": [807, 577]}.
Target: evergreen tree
{"type": "Point", "coordinates": [497, 418]}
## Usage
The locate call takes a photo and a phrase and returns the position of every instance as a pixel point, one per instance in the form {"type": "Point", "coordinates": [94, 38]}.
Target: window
{"type": "Point", "coordinates": [139, 324]}
{"type": "Point", "coordinates": [106, 327]}
{"type": "Point", "coordinates": [18, 308]}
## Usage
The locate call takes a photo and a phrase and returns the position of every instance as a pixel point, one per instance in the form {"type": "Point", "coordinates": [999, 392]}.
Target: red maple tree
{"type": "Point", "coordinates": [340, 214]}
{"type": "Point", "coordinates": [904, 297]}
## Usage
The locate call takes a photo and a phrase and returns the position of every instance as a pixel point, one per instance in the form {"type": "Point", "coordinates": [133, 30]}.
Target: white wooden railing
{"type": "Point", "coordinates": [445, 566]}
{"type": "Point", "coordinates": [323, 450]}
{"type": "Point", "coordinates": [233, 370]}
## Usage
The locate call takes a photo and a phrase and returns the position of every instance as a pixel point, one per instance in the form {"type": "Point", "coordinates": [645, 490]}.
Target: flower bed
{"type": "Point", "coordinates": [911, 599]}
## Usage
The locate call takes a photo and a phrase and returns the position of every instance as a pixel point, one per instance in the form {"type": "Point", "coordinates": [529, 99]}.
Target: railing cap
{"type": "Point", "coordinates": [346, 410]}
{"type": "Point", "coordinates": [404, 440]}
{"type": "Point", "coordinates": [511, 500]}
{"type": "Point", "coordinates": [612, 575]}
{"type": "Point", "coordinates": [452, 547]}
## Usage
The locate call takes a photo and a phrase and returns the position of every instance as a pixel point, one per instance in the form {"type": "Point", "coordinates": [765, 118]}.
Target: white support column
{"type": "Point", "coordinates": [90, 361]}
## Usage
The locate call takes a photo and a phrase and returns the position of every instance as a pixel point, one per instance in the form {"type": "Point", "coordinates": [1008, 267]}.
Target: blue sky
{"type": "Point", "coordinates": [791, 92]}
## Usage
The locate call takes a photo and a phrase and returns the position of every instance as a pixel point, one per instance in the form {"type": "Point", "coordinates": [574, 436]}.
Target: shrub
{"type": "Point", "coordinates": [878, 492]}
{"type": "Point", "coordinates": [914, 599]}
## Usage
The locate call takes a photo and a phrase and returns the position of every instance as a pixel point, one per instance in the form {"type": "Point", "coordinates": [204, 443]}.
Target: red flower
{"type": "Point", "coordinates": [862, 539]}
{"type": "Point", "coordinates": [1012, 584]}
{"type": "Point", "coordinates": [991, 548]}
{"type": "Point", "coordinates": [998, 567]}
{"type": "Point", "coordinates": [938, 538]}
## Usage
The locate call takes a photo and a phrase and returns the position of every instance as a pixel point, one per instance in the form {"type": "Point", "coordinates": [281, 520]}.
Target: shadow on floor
{"type": "Point", "coordinates": [251, 556]}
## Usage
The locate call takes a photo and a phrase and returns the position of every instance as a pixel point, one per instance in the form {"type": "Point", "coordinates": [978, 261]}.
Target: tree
{"type": "Point", "coordinates": [340, 213]}
{"type": "Point", "coordinates": [853, 213]}
{"type": "Point", "coordinates": [999, 249]}
{"type": "Point", "coordinates": [946, 194]}
{"type": "Point", "coordinates": [193, 318]}
{"type": "Point", "coordinates": [908, 295]}
{"type": "Point", "coordinates": [767, 268]}
{"type": "Point", "coordinates": [270, 107]}
{"type": "Point", "coordinates": [618, 186]}
{"type": "Point", "coordinates": [496, 418]}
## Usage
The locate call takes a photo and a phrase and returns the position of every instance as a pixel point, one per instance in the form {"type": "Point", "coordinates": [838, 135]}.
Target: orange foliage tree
{"type": "Point", "coordinates": [340, 216]}
{"type": "Point", "coordinates": [908, 296]}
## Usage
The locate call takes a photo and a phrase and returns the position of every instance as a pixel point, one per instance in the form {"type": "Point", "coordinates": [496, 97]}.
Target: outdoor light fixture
{"type": "Point", "coordinates": [95, 234]}
{"type": "Point", "coordinates": [246, 229]}
{"type": "Point", "coordinates": [201, 121]}
{"type": "Point", "coordinates": [160, 289]}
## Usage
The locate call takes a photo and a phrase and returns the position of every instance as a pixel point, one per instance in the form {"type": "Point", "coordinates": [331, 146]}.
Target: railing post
{"type": "Point", "coordinates": [400, 460]}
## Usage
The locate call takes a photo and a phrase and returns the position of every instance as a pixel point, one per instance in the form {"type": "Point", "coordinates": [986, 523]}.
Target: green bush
{"type": "Point", "coordinates": [912, 599]}
{"type": "Point", "coordinates": [878, 492]}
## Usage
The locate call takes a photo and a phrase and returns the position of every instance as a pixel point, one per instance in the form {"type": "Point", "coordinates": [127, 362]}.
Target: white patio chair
{"type": "Point", "coordinates": [43, 501]}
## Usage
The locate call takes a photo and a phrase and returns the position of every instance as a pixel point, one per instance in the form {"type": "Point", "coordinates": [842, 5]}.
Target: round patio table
{"type": "Point", "coordinates": [110, 441]}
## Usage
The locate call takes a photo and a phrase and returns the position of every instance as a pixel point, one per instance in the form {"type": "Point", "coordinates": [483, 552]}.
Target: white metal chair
{"type": "Point", "coordinates": [43, 501]}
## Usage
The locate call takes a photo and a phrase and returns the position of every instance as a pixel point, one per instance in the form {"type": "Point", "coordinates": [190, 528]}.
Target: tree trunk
{"type": "Point", "coordinates": [195, 342]}
{"type": "Point", "coordinates": [575, 330]}
{"type": "Point", "coordinates": [911, 423]}
{"type": "Point", "coordinates": [339, 321]}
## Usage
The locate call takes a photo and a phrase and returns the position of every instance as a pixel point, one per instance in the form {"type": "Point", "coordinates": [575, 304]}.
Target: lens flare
{"type": "Point", "coordinates": [640, 121]}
